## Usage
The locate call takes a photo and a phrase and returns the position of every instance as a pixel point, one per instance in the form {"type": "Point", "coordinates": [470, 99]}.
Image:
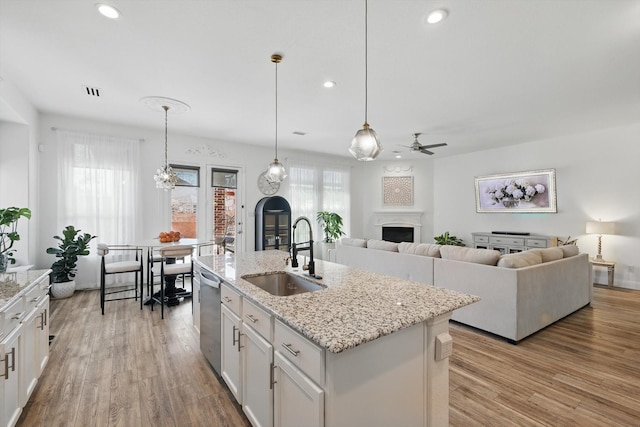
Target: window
{"type": "Point", "coordinates": [224, 186]}
{"type": "Point", "coordinates": [315, 188]}
{"type": "Point", "coordinates": [184, 201]}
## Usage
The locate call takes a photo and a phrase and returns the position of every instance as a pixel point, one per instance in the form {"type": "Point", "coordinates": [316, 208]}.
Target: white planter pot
{"type": "Point", "coordinates": [63, 290]}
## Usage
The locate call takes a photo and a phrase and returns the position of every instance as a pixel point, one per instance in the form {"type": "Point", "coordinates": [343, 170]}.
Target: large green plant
{"type": "Point", "coordinates": [8, 229]}
{"type": "Point", "coordinates": [448, 239]}
{"type": "Point", "coordinates": [72, 245]}
{"type": "Point", "coordinates": [331, 224]}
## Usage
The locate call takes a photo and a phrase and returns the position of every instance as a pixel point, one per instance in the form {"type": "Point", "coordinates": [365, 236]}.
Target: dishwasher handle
{"type": "Point", "coordinates": [209, 279]}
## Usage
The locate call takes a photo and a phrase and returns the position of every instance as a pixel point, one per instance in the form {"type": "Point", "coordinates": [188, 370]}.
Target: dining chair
{"type": "Point", "coordinates": [169, 267]}
{"type": "Point", "coordinates": [132, 264]}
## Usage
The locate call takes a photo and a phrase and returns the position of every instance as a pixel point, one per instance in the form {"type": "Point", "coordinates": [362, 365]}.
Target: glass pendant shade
{"type": "Point", "coordinates": [276, 172]}
{"type": "Point", "coordinates": [365, 145]}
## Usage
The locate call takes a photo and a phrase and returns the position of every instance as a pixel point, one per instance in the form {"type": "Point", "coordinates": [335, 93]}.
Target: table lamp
{"type": "Point", "coordinates": [600, 228]}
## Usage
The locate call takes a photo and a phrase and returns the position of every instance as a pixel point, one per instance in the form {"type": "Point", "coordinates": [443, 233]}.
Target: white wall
{"type": "Point", "coordinates": [366, 195]}
{"type": "Point", "coordinates": [597, 175]}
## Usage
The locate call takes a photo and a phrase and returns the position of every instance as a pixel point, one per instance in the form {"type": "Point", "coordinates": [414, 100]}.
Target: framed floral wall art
{"type": "Point", "coordinates": [528, 192]}
{"type": "Point", "coordinates": [397, 190]}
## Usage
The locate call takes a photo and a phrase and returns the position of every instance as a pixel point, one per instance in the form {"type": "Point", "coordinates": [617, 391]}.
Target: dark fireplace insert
{"type": "Point", "coordinates": [397, 234]}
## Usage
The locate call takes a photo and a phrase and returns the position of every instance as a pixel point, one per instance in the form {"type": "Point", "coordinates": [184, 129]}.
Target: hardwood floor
{"type": "Point", "coordinates": [131, 368]}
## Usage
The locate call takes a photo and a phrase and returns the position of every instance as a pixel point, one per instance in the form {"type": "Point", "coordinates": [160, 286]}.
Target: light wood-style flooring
{"type": "Point", "coordinates": [131, 368]}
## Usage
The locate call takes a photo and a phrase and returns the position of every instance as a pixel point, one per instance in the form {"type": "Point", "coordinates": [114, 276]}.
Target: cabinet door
{"type": "Point", "coordinates": [10, 372]}
{"type": "Point", "coordinates": [257, 398]}
{"type": "Point", "coordinates": [298, 401]}
{"type": "Point", "coordinates": [231, 364]}
{"type": "Point", "coordinates": [30, 367]}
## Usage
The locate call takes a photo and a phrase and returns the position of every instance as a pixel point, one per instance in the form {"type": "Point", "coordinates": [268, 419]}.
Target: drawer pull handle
{"type": "Point", "coordinates": [34, 299]}
{"type": "Point", "coordinates": [16, 316]}
{"type": "Point", "coordinates": [227, 299]}
{"type": "Point", "coordinates": [251, 317]}
{"type": "Point", "coordinates": [290, 350]}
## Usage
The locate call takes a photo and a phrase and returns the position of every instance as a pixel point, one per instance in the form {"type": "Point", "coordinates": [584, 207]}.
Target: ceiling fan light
{"type": "Point", "coordinates": [276, 172]}
{"type": "Point", "coordinates": [365, 145]}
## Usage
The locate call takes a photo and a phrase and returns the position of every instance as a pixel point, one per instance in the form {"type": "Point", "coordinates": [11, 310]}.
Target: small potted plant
{"type": "Point", "coordinates": [72, 245]}
{"type": "Point", "coordinates": [331, 224]}
{"type": "Point", "coordinates": [8, 233]}
{"type": "Point", "coordinates": [448, 239]}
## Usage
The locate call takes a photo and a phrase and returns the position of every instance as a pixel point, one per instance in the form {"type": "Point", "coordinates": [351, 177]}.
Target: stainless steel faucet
{"type": "Point", "coordinates": [294, 248]}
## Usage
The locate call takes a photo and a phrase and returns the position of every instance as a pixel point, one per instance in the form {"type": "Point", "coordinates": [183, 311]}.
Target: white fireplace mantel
{"type": "Point", "coordinates": [398, 219]}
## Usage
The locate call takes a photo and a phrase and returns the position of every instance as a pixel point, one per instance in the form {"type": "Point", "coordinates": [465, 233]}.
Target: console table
{"type": "Point", "coordinates": [512, 243]}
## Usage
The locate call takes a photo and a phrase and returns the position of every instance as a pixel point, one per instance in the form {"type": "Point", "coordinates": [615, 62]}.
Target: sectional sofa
{"type": "Point", "coordinates": [520, 293]}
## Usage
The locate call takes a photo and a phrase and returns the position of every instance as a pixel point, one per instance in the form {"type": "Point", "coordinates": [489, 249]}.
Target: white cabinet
{"type": "Point", "coordinates": [231, 363]}
{"type": "Point", "coordinates": [42, 331]}
{"type": "Point", "coordinates": [298, 401]}
{"type": "Point", "coordinates": [257, 400]}
{"type": "Point", "coordinates": [10, 373]}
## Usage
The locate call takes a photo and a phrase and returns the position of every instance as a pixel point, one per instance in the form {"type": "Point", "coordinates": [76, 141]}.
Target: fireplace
{"type": "Point", "coordinates": [401, 220]}
{"type": "Point", "coordinates": [397, 234]}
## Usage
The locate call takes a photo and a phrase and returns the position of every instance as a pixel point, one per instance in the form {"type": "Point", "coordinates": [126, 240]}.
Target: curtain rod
{"type": "Point", "coordinates": [53, 128]}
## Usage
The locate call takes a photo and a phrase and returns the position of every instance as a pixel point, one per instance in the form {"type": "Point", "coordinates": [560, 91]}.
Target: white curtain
{"type": "Point", "coordinates": [318, 187]}
{"type": "Point", "coordinates": [98, 192]}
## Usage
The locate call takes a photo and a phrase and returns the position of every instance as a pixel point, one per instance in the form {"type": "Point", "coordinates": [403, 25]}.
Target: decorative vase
{"type": "Point", "coordinates": [4, 262]}
{"type": "Point", "coordinates": [510, 203]}
{"type": "Point", "coordinates": [63, 289]}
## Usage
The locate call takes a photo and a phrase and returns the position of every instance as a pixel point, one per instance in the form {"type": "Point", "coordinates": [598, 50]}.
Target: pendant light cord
{"type": "Point", "coordinates": [366, 57]}
{"type": "Point", "coordinates": [166, 110]}
{"type": "Point", "coordinates": [277, 110]}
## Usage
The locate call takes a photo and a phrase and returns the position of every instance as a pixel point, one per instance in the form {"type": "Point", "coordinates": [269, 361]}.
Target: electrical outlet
{"type": "Point", "coordinates": [631, 269]}
{"type": "Point", "coordinates": [444, 346]}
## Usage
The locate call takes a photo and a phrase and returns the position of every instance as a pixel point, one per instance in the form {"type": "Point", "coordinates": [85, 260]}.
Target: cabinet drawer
{"type": "Point", "coordinates": [300, 351]}
{"type": "Point", "coordinates": [36, 294]}
{"type": "Point", "coordinates": [481, 239]}
{"type": "Point", "coordinates": [257, 318]}
{"type": "Point", "coordinates": [536, 243]}
{"type": "Point", "coordinates": [508, 241]}
{"type": "Point", "coordinates": [231, 299]}
{"type": "Point", "coordinates": [11, 316]}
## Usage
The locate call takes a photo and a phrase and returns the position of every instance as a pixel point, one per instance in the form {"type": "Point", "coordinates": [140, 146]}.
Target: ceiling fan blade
{"type": "Point", "coordinates": [424, 151]}
{"type": "Point", "coordinates": [434, 145]}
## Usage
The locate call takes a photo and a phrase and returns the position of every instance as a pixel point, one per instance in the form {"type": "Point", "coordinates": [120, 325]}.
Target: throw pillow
{"type": "Point", "coordinates": [569, 250]}
{"type": "Point", "coordinates": [549, 254]}
{"type": "Point", "coordinates": [349, 241]}
{"type": "Point", "coordinates": [519, 260]}
{"type": "Point", "coordinates": [478, 256]}
{"type": "Point", "coordinates": [382, 245]}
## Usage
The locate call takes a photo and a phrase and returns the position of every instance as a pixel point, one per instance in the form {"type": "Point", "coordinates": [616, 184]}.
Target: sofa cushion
{"type": "Point", "coordinates": [519, 260]}
{"type": "Point", "coordinates": [549, 254]}
{"type": "Point", "coordinates": [382, 245]}
{"type": "Point", "coordinates": [349, 241]}
{"type": "Point", "coordinates": [424, 249]}
{"type": "Point", "coordinates": [569, 250]}
{"type": "Point", "coordinates": [477, 256]}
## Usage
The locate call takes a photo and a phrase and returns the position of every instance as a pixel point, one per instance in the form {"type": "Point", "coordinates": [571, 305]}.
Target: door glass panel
{"type": "Point", "coordinates": [223, 185]}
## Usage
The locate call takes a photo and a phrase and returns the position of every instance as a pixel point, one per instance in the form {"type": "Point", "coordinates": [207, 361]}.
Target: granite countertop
{"type": "Point", "coordinates": [358, 306]}
{"type": "Point", "coordinates": [14, 285]}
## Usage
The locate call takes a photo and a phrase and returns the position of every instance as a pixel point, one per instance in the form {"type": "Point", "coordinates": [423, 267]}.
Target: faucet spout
{"type": "Point", "coordinates": [294, 249]}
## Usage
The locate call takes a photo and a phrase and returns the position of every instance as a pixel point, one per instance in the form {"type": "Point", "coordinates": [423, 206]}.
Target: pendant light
{"type": "Point", "coordinates": [365, 146]}
{"type": "Point", "coordinates": [165, 177]}
{"type": "Point", "coordinates": [275, 171]}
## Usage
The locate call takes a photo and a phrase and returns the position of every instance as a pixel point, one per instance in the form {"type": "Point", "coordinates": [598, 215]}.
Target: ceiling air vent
{"type": "Point", "coordinates": [92, 91]}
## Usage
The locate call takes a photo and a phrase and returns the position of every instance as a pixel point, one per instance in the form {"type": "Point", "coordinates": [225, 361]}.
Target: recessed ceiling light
{"type": "Point", "coordinates": [329, 84]}
{"type": "Point", "coordinates": [108, 11]}
{"type": "Point", "coordinates": [398, 156]}
{"type": "Point", "coordinates": [436, 16]}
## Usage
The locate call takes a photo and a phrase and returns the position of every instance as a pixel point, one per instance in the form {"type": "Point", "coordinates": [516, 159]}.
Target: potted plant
{"type": "Point", "coordinates": [331, 224]}
{"type": "Point", "coordinates": [448, 239]}
{"type": "Point", "coordinates": [72, 245]}
{"type": "Point", "coordinates": [8, 233]}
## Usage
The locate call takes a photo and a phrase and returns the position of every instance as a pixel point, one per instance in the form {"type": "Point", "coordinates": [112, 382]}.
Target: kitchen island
{"type": "Point", "coordinates": [367, 350]}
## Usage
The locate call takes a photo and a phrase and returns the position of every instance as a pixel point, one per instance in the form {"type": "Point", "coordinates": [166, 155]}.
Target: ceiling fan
{"type": "Point", "coordinates": [416, 147]}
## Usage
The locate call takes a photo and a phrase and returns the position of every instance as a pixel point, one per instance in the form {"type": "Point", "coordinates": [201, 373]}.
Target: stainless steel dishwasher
{"type": "Point", "coordinates": [210, 318]}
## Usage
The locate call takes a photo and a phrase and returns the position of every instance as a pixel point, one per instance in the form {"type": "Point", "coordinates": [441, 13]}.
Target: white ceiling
{"type": "Point", "coordinates": [496, 72]}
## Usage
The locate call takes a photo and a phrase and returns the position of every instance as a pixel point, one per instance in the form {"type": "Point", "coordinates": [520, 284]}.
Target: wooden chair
{"type": "Point", "coordinates": [169, 267]}
{"type": "Point", "coordinates": [120, 267]}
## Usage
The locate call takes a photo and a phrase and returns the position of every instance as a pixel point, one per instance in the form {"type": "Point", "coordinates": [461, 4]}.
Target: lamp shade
{"type": "Point", "coordinates": [599, 227]}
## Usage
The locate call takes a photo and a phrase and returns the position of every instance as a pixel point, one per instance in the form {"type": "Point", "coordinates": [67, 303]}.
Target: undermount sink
{"type": "Point", "coordinates": [282, 284]}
